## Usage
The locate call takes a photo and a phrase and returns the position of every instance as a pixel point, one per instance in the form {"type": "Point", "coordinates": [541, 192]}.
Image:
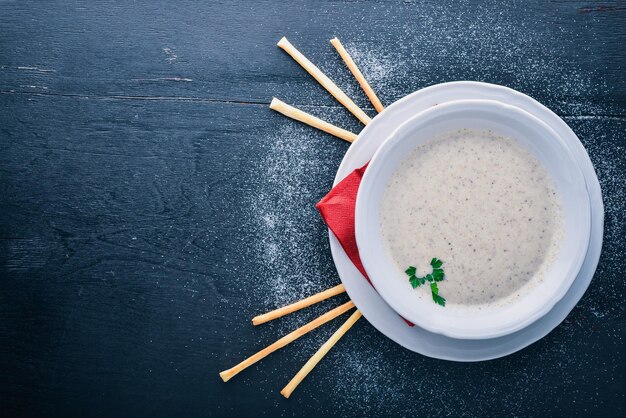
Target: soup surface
{"type": "Point", "coordinates": [482, 204]}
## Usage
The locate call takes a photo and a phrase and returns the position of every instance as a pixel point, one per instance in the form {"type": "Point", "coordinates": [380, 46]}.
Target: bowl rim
{"type": "Point", "coordinates": [363, 227]}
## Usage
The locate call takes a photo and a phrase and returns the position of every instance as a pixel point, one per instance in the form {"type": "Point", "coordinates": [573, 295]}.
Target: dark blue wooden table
{"type": "Point", "coordinates": [151, 203]}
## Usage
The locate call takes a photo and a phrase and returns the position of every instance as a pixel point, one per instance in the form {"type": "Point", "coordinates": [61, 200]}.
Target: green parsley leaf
{"type": "Point", "coordinates": [436, 263]}
{"type": "Point", "coordinates": [439, 300]}
{"type": "Point", "coordinates": [415, 281]}
{"type": "Point", "coordinates": [437, 275]}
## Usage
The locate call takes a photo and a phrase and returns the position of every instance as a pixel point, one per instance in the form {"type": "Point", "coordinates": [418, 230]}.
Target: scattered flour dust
{"type": "Point", "coordinates": [606, 148]}
{"type": "Point", "coordinates": [486, 45]}
{"type": "Point", "coordinates": [295, 170]}
{"type": "Point", "coordinates": [368, 372]}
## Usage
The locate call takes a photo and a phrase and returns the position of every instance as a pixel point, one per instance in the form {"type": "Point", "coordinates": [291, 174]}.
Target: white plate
{"type": "Point", "coordinates": [531, 134]}
{"type": "Point", "coordinates": [385, 319]}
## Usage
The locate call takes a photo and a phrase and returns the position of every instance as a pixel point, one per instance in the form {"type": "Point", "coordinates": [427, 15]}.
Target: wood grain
{"type": "Point", "coordinates": [132, 135]}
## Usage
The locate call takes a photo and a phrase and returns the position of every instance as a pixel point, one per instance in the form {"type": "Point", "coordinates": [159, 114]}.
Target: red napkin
{"type": "Point", "coordinates": [337, 210]}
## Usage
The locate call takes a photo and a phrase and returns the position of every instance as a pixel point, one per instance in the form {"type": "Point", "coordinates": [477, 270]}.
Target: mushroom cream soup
{"type": "Point", "coordinates": [483, 205]}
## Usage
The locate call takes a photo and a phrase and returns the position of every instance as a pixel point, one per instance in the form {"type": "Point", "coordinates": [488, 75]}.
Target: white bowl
{"type": "Point", "coordinates": [532, 134]}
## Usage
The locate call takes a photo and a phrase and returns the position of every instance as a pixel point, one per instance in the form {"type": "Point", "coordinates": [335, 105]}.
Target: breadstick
{"type": "Point", "coordinates": [319, 355]}
{"type": "Point", "coordinates": [226, 375]}
{"type": "Point", "coordinates": [318, 297]}
{"type": "Point", "coordinates": [299, 115]}
{"type": "Point", "coordinates": [324, 80]}
{"type": "Point", "coordinates": [357, 74]}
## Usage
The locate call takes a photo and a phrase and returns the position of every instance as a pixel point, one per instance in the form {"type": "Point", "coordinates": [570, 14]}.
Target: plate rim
{"type": "Point", "coordinates": [526, 313]}
{"type": "Point", "coordinates": [432, 345]}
